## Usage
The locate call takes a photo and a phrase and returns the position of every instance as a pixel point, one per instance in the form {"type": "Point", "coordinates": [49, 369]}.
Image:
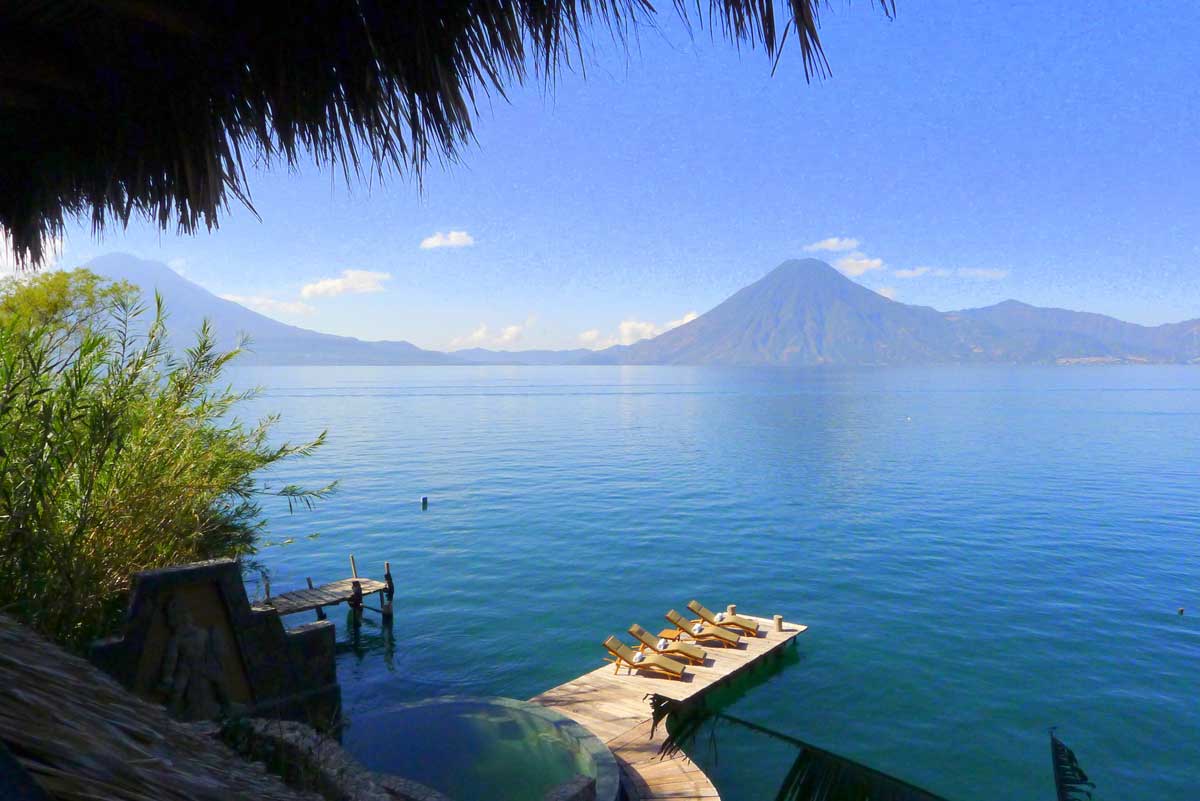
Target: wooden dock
{"type": "Point", "coordinates": [616, 709]}
{"type": "Point", "coordinates": [349, 591]}
{"type": "Point", "coordinates": [331, 594]}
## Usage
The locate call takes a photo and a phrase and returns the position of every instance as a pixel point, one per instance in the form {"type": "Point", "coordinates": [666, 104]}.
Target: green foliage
{"type": "Point", "coordinates": [116, 455]}
{"type": "Point", "coordinates": [59, 299]}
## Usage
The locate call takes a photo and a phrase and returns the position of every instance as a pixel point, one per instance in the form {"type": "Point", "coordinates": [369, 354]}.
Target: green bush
{"type": "Point", "coordinates": [116, 454]}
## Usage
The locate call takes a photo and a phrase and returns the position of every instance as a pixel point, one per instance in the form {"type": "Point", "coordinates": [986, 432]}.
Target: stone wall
{"type": "Point", "coordinates": [192, 642]}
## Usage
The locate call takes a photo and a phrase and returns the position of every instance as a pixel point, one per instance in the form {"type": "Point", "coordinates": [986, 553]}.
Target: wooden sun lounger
{"type": "Point", "coordinates": [714, 634]}
{"type": "Point", "coordinates": [624, 656]}
{"type": "Point", "coordinates": [675, 649]}
{"type": "Point", "coordinates": [727, 621]}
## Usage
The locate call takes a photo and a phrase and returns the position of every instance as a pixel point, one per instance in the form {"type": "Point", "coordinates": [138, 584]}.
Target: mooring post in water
{"type": "Point", "coordinates": [779, 622]}
{"type": "Point", "coordinates": [731, 609]}
{"type": "Point", "coordinates": [353, 567]}
{"type": "Point", "coordinates": [320, 609]}
{"type": "Point", "coordinates": [424, 501]}
{"type": "Point", "coordinates": [266, 583]}
{"type": "Point", "coordinates": [356, 600]}
{"type": "Point", "coordinates": [385, 597]}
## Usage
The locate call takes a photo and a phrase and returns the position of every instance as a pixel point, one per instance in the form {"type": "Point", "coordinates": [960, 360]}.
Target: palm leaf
{"type": "Point", "coordinates": [114, 110]}
{"type": "Point", "coordinates": [815, 775]}
{"type": "Point", "coordinates": [1070, 782]}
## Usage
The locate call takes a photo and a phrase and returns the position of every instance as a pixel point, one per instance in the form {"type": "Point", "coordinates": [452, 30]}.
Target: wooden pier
{"type": "Point", "coordinates": [349, 591]}
{"type": "Point", "coordinates": [616, 709]}
{"type": "Point", "coordinates": [331, 594]}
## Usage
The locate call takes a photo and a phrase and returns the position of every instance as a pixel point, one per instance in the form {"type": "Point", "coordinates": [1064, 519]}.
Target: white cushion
{"type": "Point", "coordinates": [720, 616]}
{"type": "Point", "coordinates": [638, 657]}
{"type": "Point", "coordinates": [663, 644]}
{"type": "Point", "coordinates": [696, 629]}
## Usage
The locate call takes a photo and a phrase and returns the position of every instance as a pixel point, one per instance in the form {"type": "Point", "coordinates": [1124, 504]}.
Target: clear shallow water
{"type": "Point", "coordinates": [476, 748]}
{"type": "Point", "coordinates": [979, 553]}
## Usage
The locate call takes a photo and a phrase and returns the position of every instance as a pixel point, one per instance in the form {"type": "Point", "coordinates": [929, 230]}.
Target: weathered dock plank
{"type": "Point", "coordinates": [615, 707]}
{"type": "Point", "coordinates": [331, 594]}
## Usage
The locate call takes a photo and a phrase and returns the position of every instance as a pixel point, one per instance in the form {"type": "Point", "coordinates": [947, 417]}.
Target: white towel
{"type": "Point", "coordinates": [638, 657]}
{"type": "Point", "coordinates": [663, 644]}
{"type": "Point", "coordinates": [696, 629]}
{"type": "Point", "coordinates": [720, 616]}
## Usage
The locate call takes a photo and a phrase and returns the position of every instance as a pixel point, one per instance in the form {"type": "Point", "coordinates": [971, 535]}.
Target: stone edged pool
{"type": "Point", "coordinates": [475, 748]}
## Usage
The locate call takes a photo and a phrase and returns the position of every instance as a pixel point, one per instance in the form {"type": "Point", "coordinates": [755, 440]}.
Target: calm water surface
{"type": "Point", "coordinates": [980, 553]}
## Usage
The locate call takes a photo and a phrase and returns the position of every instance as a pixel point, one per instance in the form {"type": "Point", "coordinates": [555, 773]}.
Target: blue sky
{"type": "Point", "coordinates": [974, 152]}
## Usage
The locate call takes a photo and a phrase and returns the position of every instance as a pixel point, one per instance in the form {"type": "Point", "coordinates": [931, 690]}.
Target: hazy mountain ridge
{"type": "Point", "coordinates": [802, 313]}
{"type": "Point", "coordinates": [272, 342]}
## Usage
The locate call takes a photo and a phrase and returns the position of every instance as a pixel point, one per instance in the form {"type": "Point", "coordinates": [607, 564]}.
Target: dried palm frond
{"type": "Point", "coordinates": [1070, 782]}
{"type": "Point", "coordinates": [117, 109]}
{"type": "Point", "coordinates": [83, 737]}
{"type": "Point", "coordinates": [815, 774]}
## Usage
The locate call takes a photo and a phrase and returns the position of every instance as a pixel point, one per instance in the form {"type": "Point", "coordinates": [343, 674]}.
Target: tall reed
{"type": "Point", "coordinates": [117, 454]}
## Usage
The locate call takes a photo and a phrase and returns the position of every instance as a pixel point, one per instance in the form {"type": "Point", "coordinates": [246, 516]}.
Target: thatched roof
{"type": "Point", "coordinates": [122, 108]}
{"type": "Point", "coordinates": [83, 737]}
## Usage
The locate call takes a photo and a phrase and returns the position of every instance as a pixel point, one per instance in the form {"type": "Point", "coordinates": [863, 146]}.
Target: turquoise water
{"type": "Point", "coordinates": [979, 553]}
{"type": "Point", "coordinates": [479, 748]}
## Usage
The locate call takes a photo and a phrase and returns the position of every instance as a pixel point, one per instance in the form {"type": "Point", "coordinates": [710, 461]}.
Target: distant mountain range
{"type": "Point", "coordinates": [272, 342]}
{"type": "Point", "coordinates": [802, 313]}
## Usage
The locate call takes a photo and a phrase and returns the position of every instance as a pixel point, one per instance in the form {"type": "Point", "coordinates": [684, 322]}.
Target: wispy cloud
{"type": "Point", "coordinates": [887, 291]}
{"type": "Point", "coordinates": [450, 239]}
{"type": "Point", "coordinates": [631, 330]}
{"type": "Point", "coordinates": [351, 282]}
{"type": "Point", "coordinates": [272, 306]}
{"type": "Point", "coordinates": [856, 264]}
{"type": "Point", "coordinates": [592, 338]}
{"type": "Point", "coordinates": [179, 265]}
{"type": "Point", "coordinates": [833, 244]}
{"type": "Point", "coordinates": [983, 274]}
{"type": "Point", "coordinates": [917, 272]}
{"type": "Point", "coordinates": [506, 336]}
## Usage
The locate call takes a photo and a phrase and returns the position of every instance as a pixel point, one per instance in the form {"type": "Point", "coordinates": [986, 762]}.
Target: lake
{"type": "Point", "coordinates": [980, 553]}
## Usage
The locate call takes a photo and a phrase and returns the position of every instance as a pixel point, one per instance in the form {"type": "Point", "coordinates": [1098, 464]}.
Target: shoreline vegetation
{"type": "Point", "coordinates": [117, 453]}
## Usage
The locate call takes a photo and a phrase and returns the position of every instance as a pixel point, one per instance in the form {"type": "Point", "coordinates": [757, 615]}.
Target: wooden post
{"type": "Point", "coordinates": [387, 578]}
{"type": "Point", "coordinates": [266, 583]}
{"type": "Point", "coordinates": [356, 600]}
{"type": "Point", "coordinates": [424, 502]}
{"type": "Point", "coordinates": [385, 609]}
{"type": "Point", "coordinates": [320, 610]}
{"type": "Point", "coordinates": [353, 567]}
{"type": "Point", "coordinates": [779, 622]}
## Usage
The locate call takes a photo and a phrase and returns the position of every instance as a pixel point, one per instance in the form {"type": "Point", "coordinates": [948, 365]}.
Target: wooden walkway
{"type": "Point", "coordinates": [615, 708]}
{"type": "Point", "coordinates": [325, 595]}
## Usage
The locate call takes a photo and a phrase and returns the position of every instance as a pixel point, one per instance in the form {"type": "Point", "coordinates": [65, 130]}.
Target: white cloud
{"type": "Point", "coordinates": [684, 320]}
{"type": "Point", "coordinates": [178, 265]}
{"type": "Point", "coordinates": [630, 330]}
{"type": "Point", "coordinates": [856, 263]}
{"type": "Point", "coordinates": [352, 282]}
{"type": "Point", "coordinates": [887, 291]}
{"type": "Point", "coordinates": [510, 334]}
{"type": "Point", "coordinates": [272, 306]}
{"type": "Point", "coordinates": [590, 338]}
{"type": "Point", "coordinates": [834, 244]}
{"type": "Point", "coordinates": [983, 274]}
{"type": "Point", "coordinates": [450, 239]}
{"type": "Point", "coordinates": [506, 336]}
{"type": "Point", "coordinates": [917, 272]}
